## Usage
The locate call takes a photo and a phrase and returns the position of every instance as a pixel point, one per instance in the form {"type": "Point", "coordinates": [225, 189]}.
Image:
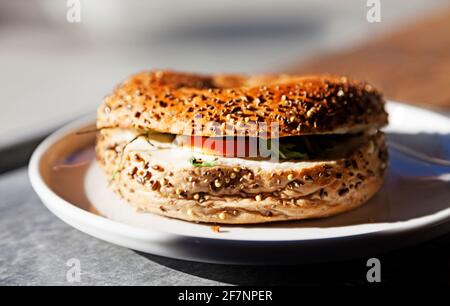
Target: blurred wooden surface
{"type": "Point", "coordinates": [409, 65]}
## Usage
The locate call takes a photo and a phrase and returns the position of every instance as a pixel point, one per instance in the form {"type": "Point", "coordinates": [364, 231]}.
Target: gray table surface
{"type": "Point", "coordinates": [35, 247]}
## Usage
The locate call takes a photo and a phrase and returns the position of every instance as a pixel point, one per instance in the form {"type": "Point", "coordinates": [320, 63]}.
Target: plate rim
{"type": "Point", "coordinates": [74, 215]}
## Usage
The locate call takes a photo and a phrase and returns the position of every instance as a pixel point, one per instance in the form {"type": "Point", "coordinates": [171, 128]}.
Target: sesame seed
{"type": "Point", "coordinates": [227, 180]}
{"type": "Point", "coordinates": [217, 183]}
{"type": "Point", "coordinates": [158, 168]}
{"type": "Point", "coordinates": [232, 175]}
{"type": "Point", "coordinates": [236, 169]}
{"type": "Point", "coordinates": [290, 177]}
{"type": "Point", "coordinates": [196, 196]}
{"type": "Point", "coordinates": [156, 185]}
{"type": "Point", "coordinates": [371, 148]}
{"type": "Point", "coordinates": [340, 93]}
{"type": "Point", "coordinates": [258, 198]}
{"type": "Point", "coordinates": [222, 215]}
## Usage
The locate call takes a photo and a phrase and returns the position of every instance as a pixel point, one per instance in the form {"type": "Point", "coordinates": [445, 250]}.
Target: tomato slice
{"type": "Point", "coordinates": [222, 146]}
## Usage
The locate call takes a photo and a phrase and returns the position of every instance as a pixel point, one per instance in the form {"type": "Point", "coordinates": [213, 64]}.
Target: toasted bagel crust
{"type": "Point", "coordinates": [262, 106]}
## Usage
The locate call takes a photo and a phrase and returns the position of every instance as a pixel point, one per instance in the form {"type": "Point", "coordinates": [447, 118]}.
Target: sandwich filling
{"type": "Point", "coordinates": [180, 151]}
{"type": "Point", "coordinates": [204, 150]}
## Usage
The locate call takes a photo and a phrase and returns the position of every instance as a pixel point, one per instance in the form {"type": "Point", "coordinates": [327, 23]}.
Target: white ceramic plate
{"type": "Point", "coordinates": [413, 205]}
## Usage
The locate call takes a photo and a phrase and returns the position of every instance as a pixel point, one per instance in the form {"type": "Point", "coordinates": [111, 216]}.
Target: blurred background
{"type": "Point", "coordinates": [52, 71]}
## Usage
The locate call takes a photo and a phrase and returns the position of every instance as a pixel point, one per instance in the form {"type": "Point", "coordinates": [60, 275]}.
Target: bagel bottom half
{"type": "Point", "coordinates": [248, 193]}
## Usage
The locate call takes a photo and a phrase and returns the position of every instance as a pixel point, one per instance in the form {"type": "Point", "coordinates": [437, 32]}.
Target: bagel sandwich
{"type": "Point", "coordinates": [235, 149]}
